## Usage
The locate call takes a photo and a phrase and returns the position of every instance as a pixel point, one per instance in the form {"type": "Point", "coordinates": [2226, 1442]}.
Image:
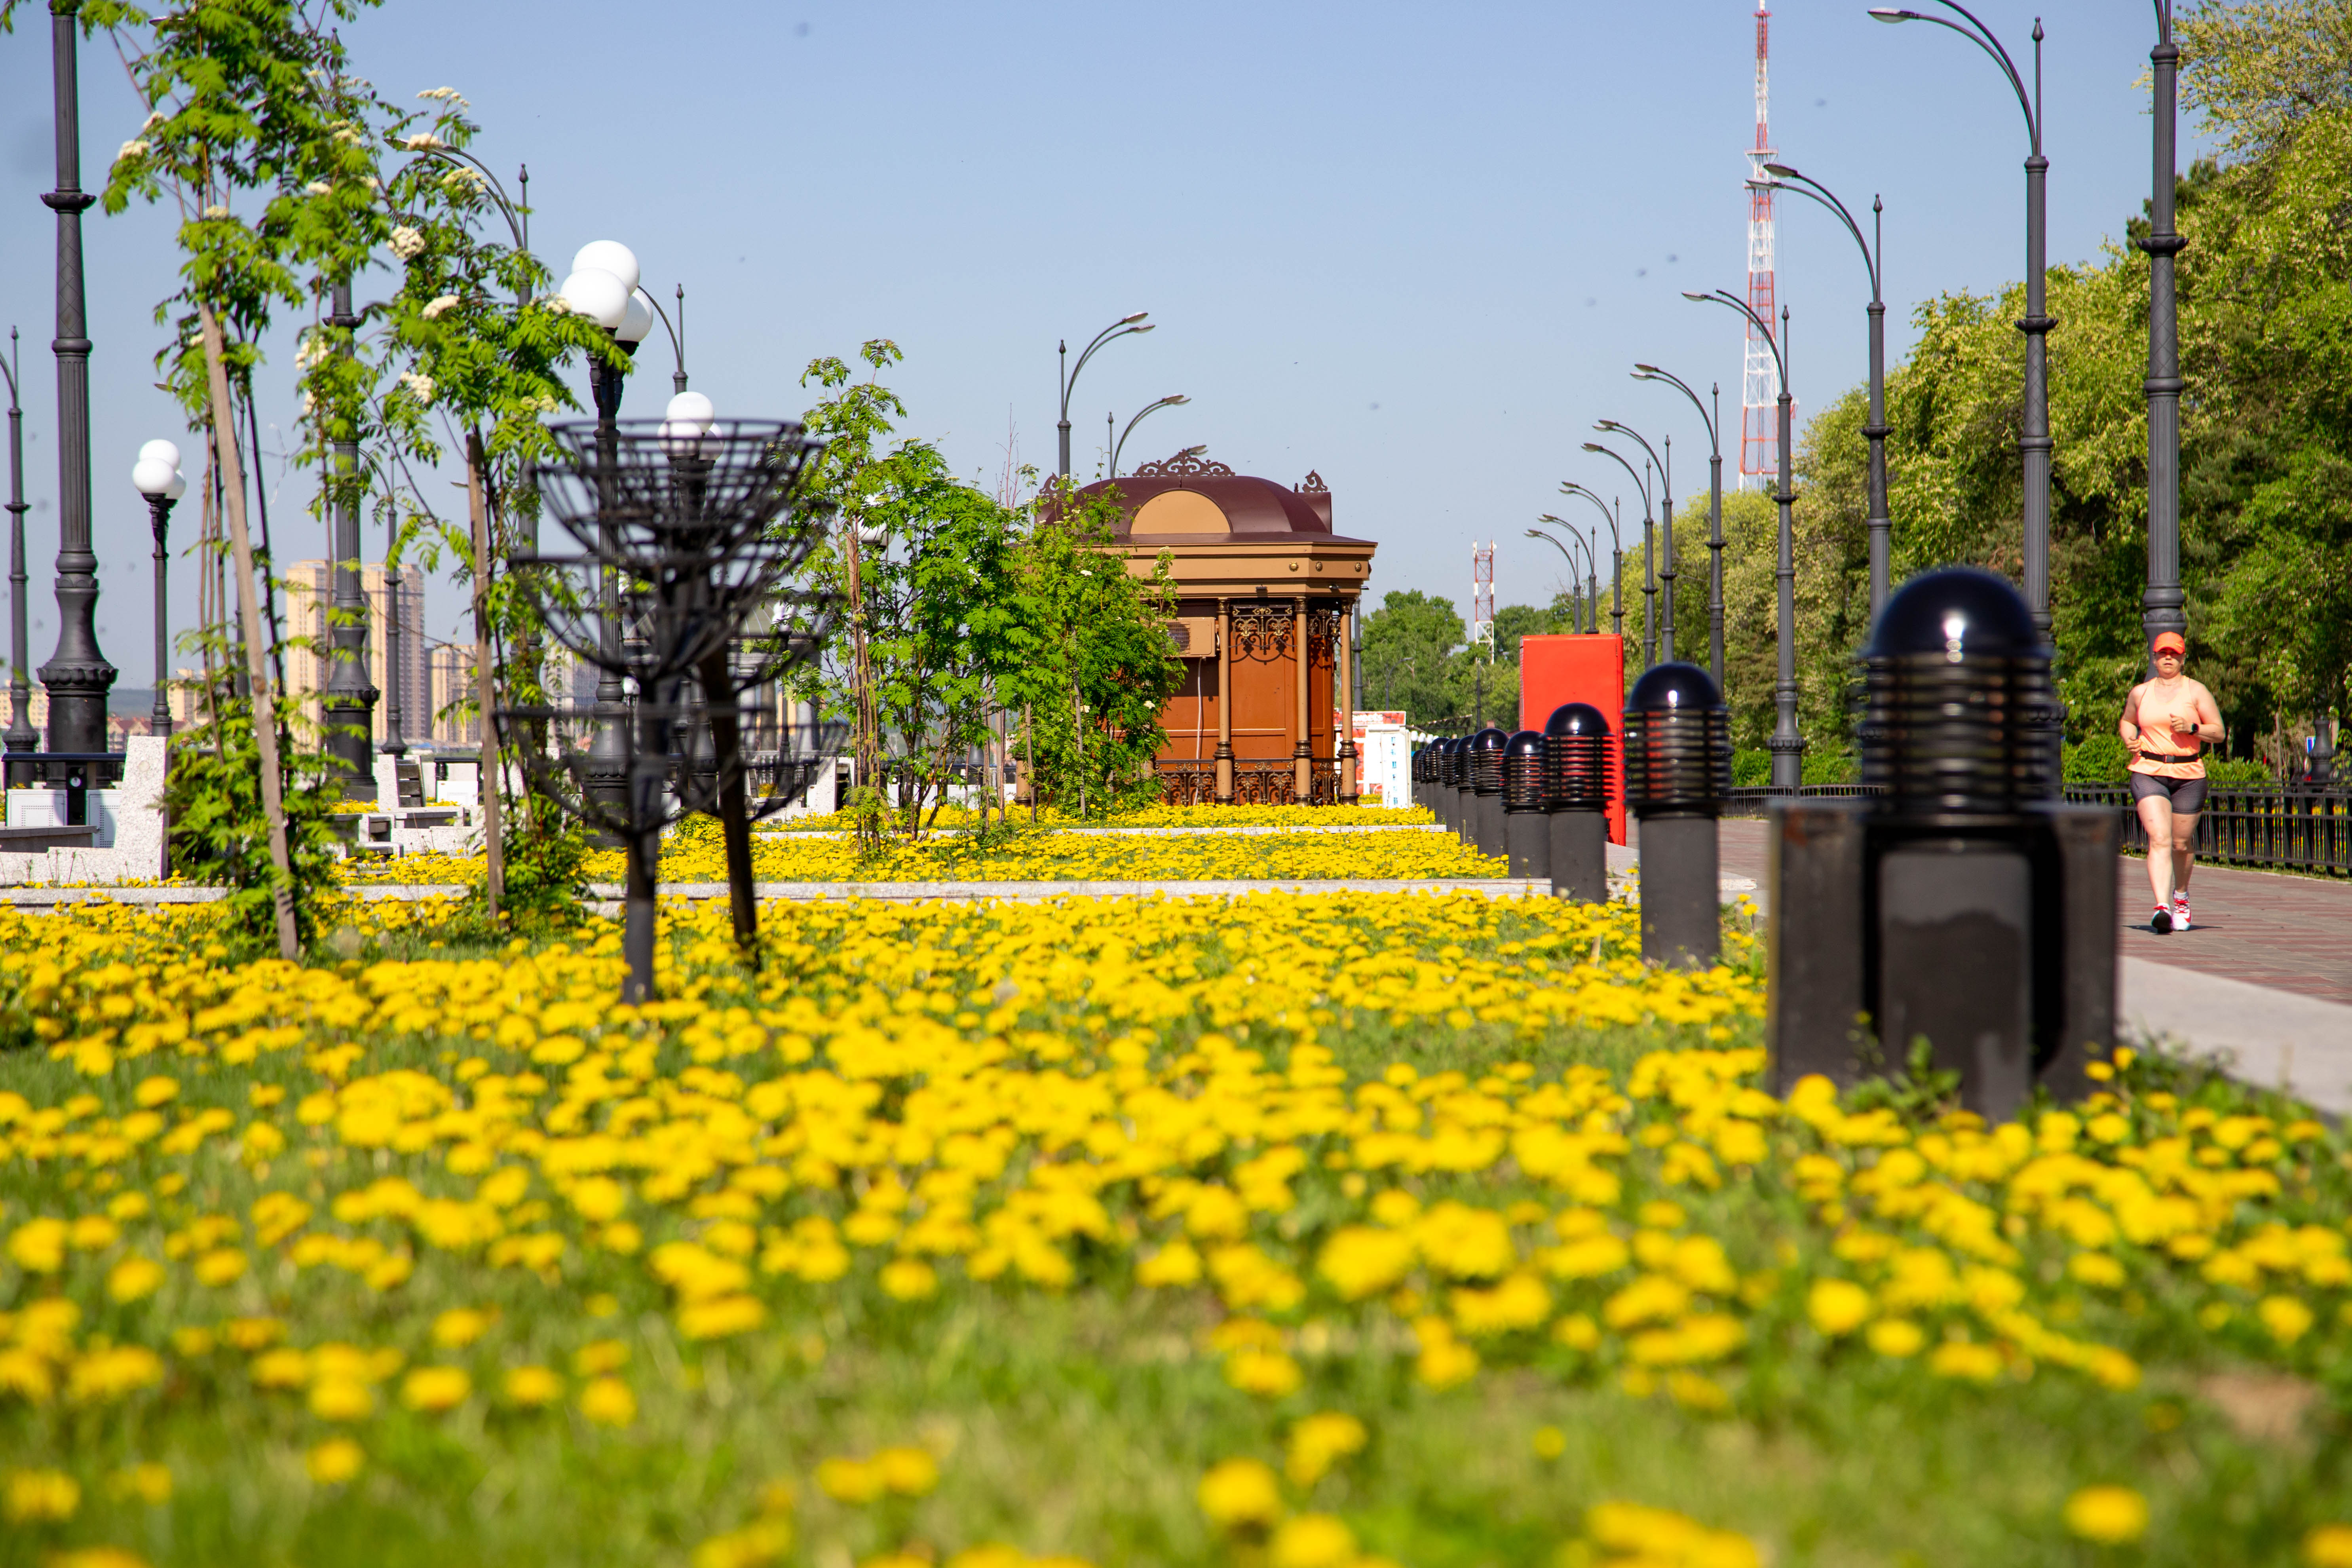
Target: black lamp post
{"type": "Point", "coordinates": [1616, 556]}
{"type": "Point", "coordinates": [1714, 510]}
{"type": "Point", "coordinates": [2033, 444]}
{"type": "Point", "coordinates": [2161, 603]}
{"type": "Point", "coordinates": [1124, 326]}
{"type": "Point", "coordinates": [1666, 569]}
{"type": "Point", "coordinates": [1788, 742]}
{"type": "Point", "coordinates": [1873, 255]}
{"type": "Point", "coordinates": [1556, 544]}
{"type": "Point", "coordinates": [22, 736]}
{"type": "Point", "coordinates": [1648, 583]}
{"type": "Point", "coordinates": [350, 696]}
{"type": "Point", "coordinates": [77, 675]}
{"type": "Point", "coordinates": [1176, 400]}
{"type": "Point", "coordinates": [158, 477]}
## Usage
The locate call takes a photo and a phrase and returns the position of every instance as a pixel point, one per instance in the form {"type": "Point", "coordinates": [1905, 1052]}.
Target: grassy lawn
{"type": "Point", "coordinates": [1284, 1230]}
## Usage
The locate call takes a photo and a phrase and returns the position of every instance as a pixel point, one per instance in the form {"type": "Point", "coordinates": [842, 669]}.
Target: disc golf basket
{"type": "Point", "coordinates": [687, 538]}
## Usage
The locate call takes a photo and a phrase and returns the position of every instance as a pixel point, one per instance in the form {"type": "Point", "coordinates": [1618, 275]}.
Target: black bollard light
{"type": "Point", "coordinates": [1678, 765]}
{"type": "Point", "coordinates": [1465, 798]}
{"type": "Point", "coordinates": [1527, 834]}
{"type": "Point", "coordinates": [1419, 769]}
{"type": "Point", "coordinates": [1486, 748]}
{"type": "Point", "coordinates": [1440, 780]}
{"type": "Point", "coordinates": [1960, 905]}
{"type": "Point", "coordinates": [1576, 790]}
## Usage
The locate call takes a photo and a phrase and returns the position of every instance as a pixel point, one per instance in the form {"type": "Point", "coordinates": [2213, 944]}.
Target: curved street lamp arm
{"type": "Point", "coordinates": [1725, 296]}
{"type": "Point", "coordinates": [1821, 195]}
{"type": "Point", "coordinates": [1982, 37]}
{"type": "Point", "coordinates": [1569, 487]}
{"type": "Point", "coordinates": [1629, 430]}
{"type": "Point", "coordinates": [1121, 328]}
{"type": "Point", "coordinates": [494, 191]}
{"type": "Point", "coordinates": [11, 371]}
{"type": "Point", "coordinates": [1639, 482]}
{"type": "Point", "coordinates": [677, 334]}
{"type": "Point", "coordinates": [1651, 373]}
{"type": "Point", "coordinates": [1120, 445]}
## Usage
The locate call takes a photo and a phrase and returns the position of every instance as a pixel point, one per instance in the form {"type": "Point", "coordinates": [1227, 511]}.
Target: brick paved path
{"type": "Point", "coordinates": [2292, 933]}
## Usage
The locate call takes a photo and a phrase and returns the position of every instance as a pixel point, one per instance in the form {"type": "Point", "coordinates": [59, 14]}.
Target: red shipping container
{"type": "Point", "coordinates": [1558, 667]}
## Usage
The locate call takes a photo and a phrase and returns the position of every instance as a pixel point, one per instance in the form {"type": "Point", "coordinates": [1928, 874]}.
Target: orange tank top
{"type": "Point", "coordinates": [2161, 751]}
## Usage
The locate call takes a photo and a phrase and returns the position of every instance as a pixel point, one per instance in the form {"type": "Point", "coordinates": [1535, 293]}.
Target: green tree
{"type": "Point", "coordinates": [1409, 645]}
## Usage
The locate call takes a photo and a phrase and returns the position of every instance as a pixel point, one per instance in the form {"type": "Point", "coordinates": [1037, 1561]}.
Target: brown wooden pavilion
{"type": "Point", "coordinates": [1265, 591]}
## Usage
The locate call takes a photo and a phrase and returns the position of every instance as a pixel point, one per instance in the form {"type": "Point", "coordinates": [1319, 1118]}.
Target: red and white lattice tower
{"type": "Point", "coordinates": [1482, 594]}
{"type": "Point", "coordinates": [1760, 387]}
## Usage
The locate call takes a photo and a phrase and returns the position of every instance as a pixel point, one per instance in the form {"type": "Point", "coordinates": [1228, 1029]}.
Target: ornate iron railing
{"type": "Point", "coordinates": [2295, 827]}
{"type": "Point", "coordinates": [1273, 783]}
{"type": "Point", "coordinates": [1754, 800]}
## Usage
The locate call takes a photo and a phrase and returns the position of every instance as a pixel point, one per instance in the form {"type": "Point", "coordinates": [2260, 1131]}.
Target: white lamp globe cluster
{"type": "Point", "coordinates": [157, 472]}
{"type": "Point", "coordinates": [603, 286]}
{"type": "Point", "coordinates": [689, 425]}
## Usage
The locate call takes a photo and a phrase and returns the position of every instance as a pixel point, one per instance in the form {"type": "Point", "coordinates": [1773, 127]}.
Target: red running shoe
{"type": "Point", "coordinates": [2180, 911]}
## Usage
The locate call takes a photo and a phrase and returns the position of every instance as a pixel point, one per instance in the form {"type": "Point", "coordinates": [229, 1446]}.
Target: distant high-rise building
{"type": "Point", "coordinates": [309, 586]}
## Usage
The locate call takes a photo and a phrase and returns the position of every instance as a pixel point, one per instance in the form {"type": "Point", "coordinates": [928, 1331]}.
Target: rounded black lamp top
{"type": "Point", "coordinates": [1951, 612]}
{"type": "Point", "coordinates": [1577, 719]}
{"type": "Point", "coordinates": [1666, 687]}
{"type": "Point", "coordinates": [1485, 749]}
{"type": "Point", "coordinates": [1677, 743]}
{"type": "Point", "coordinates": [1523, 772]}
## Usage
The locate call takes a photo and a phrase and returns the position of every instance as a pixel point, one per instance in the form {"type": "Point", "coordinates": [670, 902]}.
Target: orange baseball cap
{"type": "Point", "coordinates": [2170, 642]}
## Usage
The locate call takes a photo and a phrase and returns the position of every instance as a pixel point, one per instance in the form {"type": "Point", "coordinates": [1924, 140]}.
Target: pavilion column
{"type": "Point", "coordinates": [1302, 755]}
{"type": "Point", "coordinates": [1224, 702]}
{"type": "Point", "coordinates": [1343, 699]}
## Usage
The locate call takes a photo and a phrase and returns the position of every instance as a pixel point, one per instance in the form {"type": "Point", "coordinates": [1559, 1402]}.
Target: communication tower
{"type": "Point", "coordinates": [1759, 455]}
{"type": "Point", "coordinates": [1482, 595]}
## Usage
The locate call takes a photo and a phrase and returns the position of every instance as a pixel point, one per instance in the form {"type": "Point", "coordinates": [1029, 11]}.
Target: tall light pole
{"type": "Point", "coordinates": [22, 736]}
{"type": "Point", "coordinates": [350, 696]}
{"type": "Point", "coordinates": [1788, 742]}
{"type": "Point", "coordinates": [2161, 603]}
{"type": "Point", "coordinates": [1124, 327]}
{"type": "Point", "coordinates": [2033, 444]}
{"type": "Point", "coordinates": [1174, 400]}
{"type": "Point", "coordinates": [1556, 544]}
{"type": "Point", "coordinates": [1714, 509]}
{"type": "Point", "coordinates": [1666, 510]}
{"type": "Point", "coordinates": [77, 675]}
{"type": "Point", "coordinates": [1649, 588]}
{"type": "Point", "coordinates": [1616, 554]}
{"type": "Point", "coordinates": [1873, 255]}
{"type": "Point", "coordinates": [157, 476]}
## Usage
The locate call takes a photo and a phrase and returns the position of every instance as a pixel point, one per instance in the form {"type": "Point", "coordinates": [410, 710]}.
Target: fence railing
{"type": "Point", "coordinates": [2292, 827]}
{"type": "Point", "coordinates": [1272, 782]}
{"type": "Point", "coordinates": [1753, 800]}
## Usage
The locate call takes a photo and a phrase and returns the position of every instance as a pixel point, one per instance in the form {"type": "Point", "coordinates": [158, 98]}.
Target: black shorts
{"type": "Point", "coordinates": [2187, 795]}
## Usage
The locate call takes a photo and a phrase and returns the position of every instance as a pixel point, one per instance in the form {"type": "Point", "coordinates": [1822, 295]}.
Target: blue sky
{"type": "Point", "coordinates": [1415, 249]}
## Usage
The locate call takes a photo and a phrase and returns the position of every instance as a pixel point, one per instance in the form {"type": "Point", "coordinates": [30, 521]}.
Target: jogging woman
{"type": "Point", "coordinates": [2168, 722]}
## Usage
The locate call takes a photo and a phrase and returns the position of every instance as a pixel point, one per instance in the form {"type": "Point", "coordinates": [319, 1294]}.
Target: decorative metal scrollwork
{"type": "Point", "coordinates": [1186, 464]}
{"type": "Point", "coordinates": [1261, 628]}
{"type": "Point", "coordinates": [1322, 634]}
{"type": "Point", "coordinates": [1313, 485]}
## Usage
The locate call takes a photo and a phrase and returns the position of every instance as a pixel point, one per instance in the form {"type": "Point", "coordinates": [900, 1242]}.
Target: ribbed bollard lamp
{"type": "Point", "coordinates": [1678, 765]}
{"type": "Point", "coordinates": [1576, 789]}
{"type": "Point", "coordinates": [1486, 748]}
{"type": "Point", "coordinates": [1526, 837]}
{"type": "Point", "coordinates": [1960, 904]}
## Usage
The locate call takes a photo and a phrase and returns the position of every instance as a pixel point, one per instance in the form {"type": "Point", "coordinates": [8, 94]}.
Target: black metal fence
{"type": "Point", "coordinates": [2291, 827]}
{"type": "Point", "coordinates": [1753, 800]}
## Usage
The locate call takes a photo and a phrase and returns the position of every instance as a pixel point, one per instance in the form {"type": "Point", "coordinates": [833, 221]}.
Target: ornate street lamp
{"type": "Point", "coordinates": [1714, 509]}
{"type": "Point", "coordinates": [350, 696]}
{"type": "Point", "coordinates": [2033, 443]}
{"type": "Point", "coordinates": [1665, 465]}
{"type": "Point", "coordinates": [157, 476]}
{"type": "Point", "coordinates": [1873, 255]}
{"type": "Point", "coordinates": [603, 285]}
{"type": "Point", "coordinates": [1124, 327]}
{"type": "Point", "coordinates": [22, 736]}
{"type": "Point", "coordinates": [2161, 603]}
{"type": "Point", "coordinates": [77, 675]}
{"type": "Point", "coordinates": [1556, 544]}
{"type": "Point", "coordinates": [1616, 554]}
{"type": "Point", "coordinates": [1788, 742]}
{"type": "Point", "coordinates": [1176, 400]}
{"type": "Point", "coordinates": [1649, 581]}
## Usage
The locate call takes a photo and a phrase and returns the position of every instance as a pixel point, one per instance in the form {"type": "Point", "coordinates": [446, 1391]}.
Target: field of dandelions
{"type": "Point", "coordinates": [1288, 1230]}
